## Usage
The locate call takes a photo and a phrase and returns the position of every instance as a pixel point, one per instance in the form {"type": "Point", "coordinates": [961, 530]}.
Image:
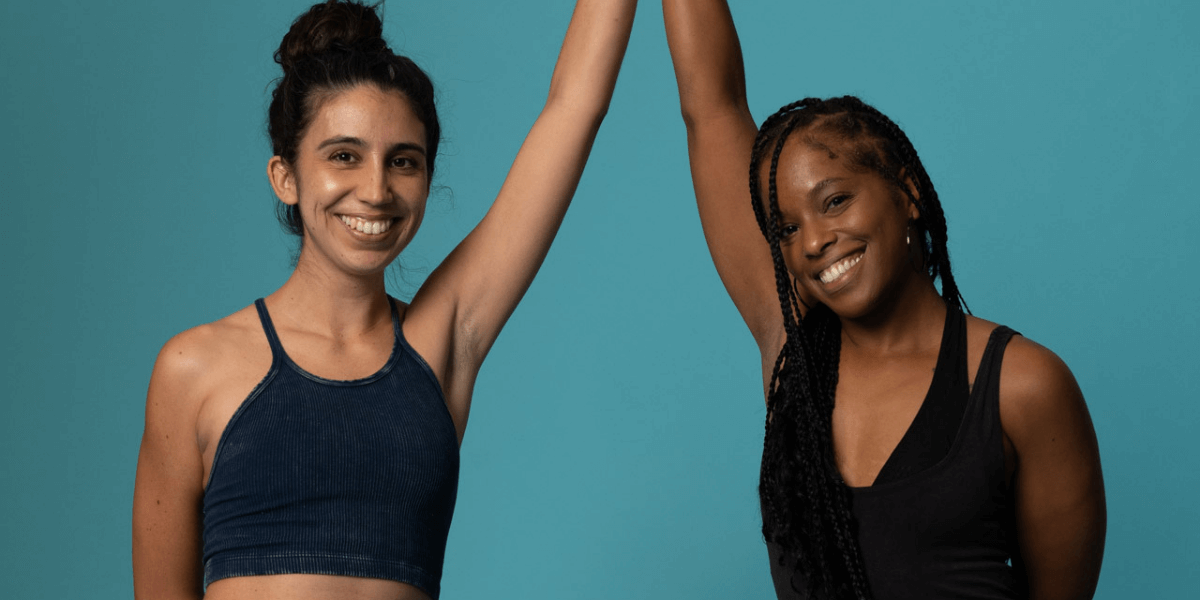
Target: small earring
{"type": "Point", "coordinates": [907, 240]}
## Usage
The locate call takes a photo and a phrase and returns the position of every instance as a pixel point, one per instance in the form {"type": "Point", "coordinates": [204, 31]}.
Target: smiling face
{"type": "Point", "coordinates": [843, 229]}
{"type": "Point", "coordinates": [359, 180]}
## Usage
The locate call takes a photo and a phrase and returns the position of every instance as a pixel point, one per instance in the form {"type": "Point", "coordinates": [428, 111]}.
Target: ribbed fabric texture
{"type": "Point", "coordinates": [355, 478]}
{"type": "Point", "coordinates": [938, 521]}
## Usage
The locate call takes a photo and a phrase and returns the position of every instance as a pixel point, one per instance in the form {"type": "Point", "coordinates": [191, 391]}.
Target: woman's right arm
{"type": "Point", "coordinates": [167, 493]}
{"type": "Point", "coordinates": [720, 134]}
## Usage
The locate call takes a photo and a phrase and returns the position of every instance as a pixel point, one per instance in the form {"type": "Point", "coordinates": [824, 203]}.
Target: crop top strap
{"type": "Point", "coordinates": [269, 328]}
{"type": "Point", "coordinates": [395, 319]}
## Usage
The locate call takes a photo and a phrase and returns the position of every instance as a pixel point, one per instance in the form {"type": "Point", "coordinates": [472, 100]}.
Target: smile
{"type": "Point", "coordinates": [838, 269]}
{"type": "Point", "coordinates": [368, 227]}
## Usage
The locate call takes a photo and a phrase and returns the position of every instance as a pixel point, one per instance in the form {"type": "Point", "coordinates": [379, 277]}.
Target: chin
{"type": "Point", "coordinates": [851, 306]}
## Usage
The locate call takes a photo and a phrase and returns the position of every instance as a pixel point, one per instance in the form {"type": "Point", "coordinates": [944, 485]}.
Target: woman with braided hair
{"type": "Point", "coordinates": [306, 447]}
{"type": "Point", "coordinates": [911, 450]}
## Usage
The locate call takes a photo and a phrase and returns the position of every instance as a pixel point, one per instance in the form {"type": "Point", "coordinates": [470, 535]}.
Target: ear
{"type": "Point", "coordinates": [283, 180]}
{"type": "Point", "coordinates": [914, 195]}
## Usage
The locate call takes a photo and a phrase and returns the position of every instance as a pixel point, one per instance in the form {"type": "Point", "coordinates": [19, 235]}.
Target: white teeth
{"type": "Point", "coordinates": [368, 227]}
{"type": "Point", "coordinates": [837, 270]}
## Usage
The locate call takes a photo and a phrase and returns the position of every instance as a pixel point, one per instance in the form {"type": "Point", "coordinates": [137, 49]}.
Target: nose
{"type": "Point", "coordinates": [817, 238]}
{"type": "Point", "coordinates": [373, 188]}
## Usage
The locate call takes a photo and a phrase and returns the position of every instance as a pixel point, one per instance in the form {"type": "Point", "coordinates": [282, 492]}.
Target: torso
{"type": "Point", "coordinates": [878, 397]}
{"type": "Point", "coordinates": [238, 356]}
{"type": "Point", "coordinates": [944, 526]}
{"type": "Point", "coordinates": [236, 353]}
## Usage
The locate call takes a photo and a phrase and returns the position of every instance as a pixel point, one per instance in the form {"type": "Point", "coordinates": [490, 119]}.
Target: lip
{"type": "Point", "coordinates": [852, 258]}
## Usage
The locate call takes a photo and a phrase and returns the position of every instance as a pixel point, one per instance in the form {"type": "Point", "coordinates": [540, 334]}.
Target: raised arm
{"type": "Point", "coordinates": [720, 133]}
{"type": "Point", "coordinates": [1060, 509]}
{"type": "Point", "coordinates": [467, 299]}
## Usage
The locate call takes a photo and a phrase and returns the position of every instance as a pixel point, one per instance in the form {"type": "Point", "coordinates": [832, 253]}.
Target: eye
{"type": "Point", "coordinates": [407, 162]}
{"type": "Point", "coordinates": [341, 156]}
{"type": "Point", "coordinates": [836, 201]}
{"type": "Point", "coordinates": [787, 230]}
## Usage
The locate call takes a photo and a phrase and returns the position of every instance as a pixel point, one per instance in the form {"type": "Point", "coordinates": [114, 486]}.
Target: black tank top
{"type": "Point", "coordinates": [355, 478]}
{"type": "Point", "coordinates": [938, 520]}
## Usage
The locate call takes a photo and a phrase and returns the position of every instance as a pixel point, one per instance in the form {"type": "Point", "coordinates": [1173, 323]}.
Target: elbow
{"type": "Point", "coordinates": [582, 108]}
{"type": "Point", "coordinates": [697, 114]}
{"type": "Point", "coordinates": [690, 120]}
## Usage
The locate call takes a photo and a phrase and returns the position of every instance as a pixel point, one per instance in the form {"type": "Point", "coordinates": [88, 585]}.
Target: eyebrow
{"type": "Point", "coordinates": [353, 141]}
{"type": "Point", "coordinates": [817, 189]}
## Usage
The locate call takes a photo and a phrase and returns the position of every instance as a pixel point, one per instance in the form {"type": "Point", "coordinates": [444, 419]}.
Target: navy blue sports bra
{"type": "Point", "coordinates": [355, 478]}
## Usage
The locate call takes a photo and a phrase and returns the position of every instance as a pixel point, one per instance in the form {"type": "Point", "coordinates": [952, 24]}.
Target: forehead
{"type": "Point", "coordinates": [805, 163]}
{"type": "Point", "coordinates": [368, 113]}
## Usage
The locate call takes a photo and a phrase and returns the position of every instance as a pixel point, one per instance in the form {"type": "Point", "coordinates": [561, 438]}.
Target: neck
{"type": "Point", "coordinates": [913, 320]}
{"type": "Point", "coordinates": [322, 299]}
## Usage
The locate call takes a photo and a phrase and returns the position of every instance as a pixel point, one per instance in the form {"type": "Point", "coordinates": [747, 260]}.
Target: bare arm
{"type": "Point", "coordinates": [1058, 483]}
{"type": "Point", "coordinates": [720, 131]}
{"type": "Point", "coordinates": [167, 492]}
{"type": "Point", "coordinates": [477, 287]}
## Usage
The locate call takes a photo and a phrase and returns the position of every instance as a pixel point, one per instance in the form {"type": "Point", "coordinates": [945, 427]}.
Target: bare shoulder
{"type": "Point", "coordinates": [191, 363]}
{"type": "Point", "coordinates": [1035, 384]}
{"type": "Point", "coordinates": [1039, 396]}
{"type": "Point", "coordinates": [1033, 375]}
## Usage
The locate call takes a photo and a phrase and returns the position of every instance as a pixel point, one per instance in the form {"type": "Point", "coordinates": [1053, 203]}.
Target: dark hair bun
{"type": "Point", "coordinates": [334, 26]}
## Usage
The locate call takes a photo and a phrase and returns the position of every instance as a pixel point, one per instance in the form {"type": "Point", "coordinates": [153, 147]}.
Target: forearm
{"type": "Point", "coordinates": [707, 57]}
{"type": "Point", "coordinates": [593, 48]}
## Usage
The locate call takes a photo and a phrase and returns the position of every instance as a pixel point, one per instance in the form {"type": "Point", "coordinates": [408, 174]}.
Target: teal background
{"type": "Point", "coordinates": [613, 448]}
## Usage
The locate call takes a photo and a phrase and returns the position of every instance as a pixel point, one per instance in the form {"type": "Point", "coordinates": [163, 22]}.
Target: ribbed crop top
{"type": "Point", "coordinates": [354, 478]}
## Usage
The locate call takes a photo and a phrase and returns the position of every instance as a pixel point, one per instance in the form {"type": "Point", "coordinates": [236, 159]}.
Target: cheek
{"type": "Point", "coordinates": [794, 261]}
{"type": "Point", "coordinates": [790, 256]}
{"type": "Point", "coordinates": [311, 207]}
{"type": "Point", "coordinates": [416, 208]}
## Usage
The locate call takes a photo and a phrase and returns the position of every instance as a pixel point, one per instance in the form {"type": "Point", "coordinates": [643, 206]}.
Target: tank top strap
{"type": "Point", "coordinates": [988, 374]}
{"type": "Point", "coordinates": [985, 396]}
{"type": "Point", "coordinates": [277, 353]}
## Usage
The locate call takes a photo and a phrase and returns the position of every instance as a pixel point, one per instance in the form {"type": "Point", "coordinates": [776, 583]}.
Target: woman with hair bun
{"type": "Point", "coordinates": [307, 446]}
{"type": "Point", "coordinates": [911, 450]}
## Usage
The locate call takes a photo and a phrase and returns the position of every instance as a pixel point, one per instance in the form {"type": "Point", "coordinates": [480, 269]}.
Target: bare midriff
{"type": "Point", "coordinates": [311, 587]}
